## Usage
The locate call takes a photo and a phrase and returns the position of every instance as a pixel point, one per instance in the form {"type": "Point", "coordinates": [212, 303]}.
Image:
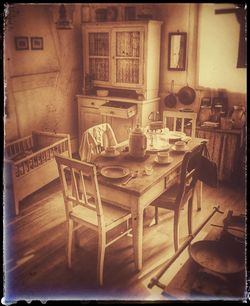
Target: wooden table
{"type": "Point", "coordinates": [141, 191]}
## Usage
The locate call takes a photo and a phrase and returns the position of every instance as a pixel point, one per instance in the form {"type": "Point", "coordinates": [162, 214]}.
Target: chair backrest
{"type": "Point", "coordinates": [170, 120]}
{"type": "Point", "coordinates": [189, 174]}
{"type": "Point", "coordinates": [95, 139]}
{"type": "Point", "coordinates": [83, 189]}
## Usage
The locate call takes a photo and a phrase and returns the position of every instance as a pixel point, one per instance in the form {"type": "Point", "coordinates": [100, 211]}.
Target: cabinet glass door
{"type": "Point", "coordinates": [128, 57]}
{"type": "Point", "coordinates": [99, 55]}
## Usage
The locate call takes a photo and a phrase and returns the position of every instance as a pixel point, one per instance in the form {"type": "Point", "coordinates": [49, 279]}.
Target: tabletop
{"type": "Point", "coordinates": [139, 185]}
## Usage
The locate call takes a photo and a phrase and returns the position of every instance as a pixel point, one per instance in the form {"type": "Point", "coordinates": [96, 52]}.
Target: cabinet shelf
{"type": "Point", "coordinates": [124, 56]}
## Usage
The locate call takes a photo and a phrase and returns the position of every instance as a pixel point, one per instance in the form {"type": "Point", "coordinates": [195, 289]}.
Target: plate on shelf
{"type": "Point", "coordinates": [107, 154]}
{"type": "Point", "coordinates": [165, 162]}
{"type": "Point", "coordinates": [114, 172]}
{"type": "Point", "coordinates": [210, 124]}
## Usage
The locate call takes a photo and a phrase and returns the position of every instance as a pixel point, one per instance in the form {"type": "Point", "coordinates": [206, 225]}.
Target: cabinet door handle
{"type": "Point", "coordinates": [112, 112]}
{"type": "Point", "coordinates": [92, 103]}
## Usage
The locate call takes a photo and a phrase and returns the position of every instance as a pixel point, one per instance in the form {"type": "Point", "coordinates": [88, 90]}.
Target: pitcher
{"type": "Point", "coordinates": [137, 142]}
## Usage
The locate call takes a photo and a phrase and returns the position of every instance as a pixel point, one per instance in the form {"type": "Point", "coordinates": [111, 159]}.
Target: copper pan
{"type": "Point", "coordinates": [218, 257]}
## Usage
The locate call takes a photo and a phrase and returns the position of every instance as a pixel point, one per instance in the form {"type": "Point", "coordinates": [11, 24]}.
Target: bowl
{"type": "Point", "coordinates": [102, 92]}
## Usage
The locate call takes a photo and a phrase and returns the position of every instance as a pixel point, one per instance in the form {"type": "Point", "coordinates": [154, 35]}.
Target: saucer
{"type": "Point", "coordinates": [170, 159]}
{"type": "Point", "coordinates": [180, 150]}
{"type": "Point", "coordinates": [108, 154]}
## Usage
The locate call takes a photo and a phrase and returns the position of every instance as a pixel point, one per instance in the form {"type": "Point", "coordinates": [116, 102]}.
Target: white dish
{"type": "Point", "coordinates": [176, 135]}
{"type": "Point", "coordinates": [114, 172]}
{"type": "Point", "coordinates": [180, 150]}
{"type": "Point", "coordinates": [159, 148]}
{"type": "Point", "coordinates": [109, 154]}
{"type": "Point", "coordinates": [170, 159]}
{"type": "Point", "coordinates": [210, 124]}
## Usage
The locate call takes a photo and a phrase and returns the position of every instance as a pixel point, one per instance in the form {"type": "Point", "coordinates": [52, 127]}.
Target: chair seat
{"type": "Point", "coordinates": [167, 199]}
{"type": "Point", "coordinates": [112, 214]}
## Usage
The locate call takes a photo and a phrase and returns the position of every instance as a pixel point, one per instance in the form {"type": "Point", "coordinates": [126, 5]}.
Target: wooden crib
{"type": "Point", "coordinates": [30, 162]}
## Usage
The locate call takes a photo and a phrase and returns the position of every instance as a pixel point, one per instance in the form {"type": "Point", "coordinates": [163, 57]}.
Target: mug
{"type": "Point", "coordinates": [163, 157]}
{"type": "Point", "coordinates": [180, 145]}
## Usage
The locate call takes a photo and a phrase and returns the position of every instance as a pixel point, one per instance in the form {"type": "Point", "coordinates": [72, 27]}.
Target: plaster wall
{"type": "Point", "coordinates": [41, 84]}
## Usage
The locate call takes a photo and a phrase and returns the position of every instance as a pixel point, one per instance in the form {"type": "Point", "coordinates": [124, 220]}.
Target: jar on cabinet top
{"type": "Point", "coordinates": [216, 114]}
{"type": "Point", "coordinates": [238, 116]}
{"type": "Point", "coordinates": [205, 113]}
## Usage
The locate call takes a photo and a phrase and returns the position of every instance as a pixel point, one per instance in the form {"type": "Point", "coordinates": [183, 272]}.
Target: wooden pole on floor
{"type": "Point", "coordinates": [155, 280]}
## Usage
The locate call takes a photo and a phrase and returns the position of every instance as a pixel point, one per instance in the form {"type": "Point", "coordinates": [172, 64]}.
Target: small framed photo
{"type": "Point", "coordinates": [36, 43]}
{"type": "Point", "coordinates": [22, 43]}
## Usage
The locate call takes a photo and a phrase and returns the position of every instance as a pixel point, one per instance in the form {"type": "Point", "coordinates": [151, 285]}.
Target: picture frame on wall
{"type": "Point", "coordinates": [36, 43]}
{"type": "Point", "coordinates": [21, 43]}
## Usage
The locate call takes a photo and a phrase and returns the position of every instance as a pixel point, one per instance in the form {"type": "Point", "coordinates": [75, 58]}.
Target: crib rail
{"type": "Point", "coordinates": [19, 146]}
{"type": "Point", "coordinates": [34, 160]}
{"type": "Point", "coordinates": [44, 139]}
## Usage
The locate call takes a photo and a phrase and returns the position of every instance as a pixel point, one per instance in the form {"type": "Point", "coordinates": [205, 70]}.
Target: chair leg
{"type": "Point", "coordinates": [176, 230]}
{"type": "Point", "coordinates": [189, 216]}
{"type": "Point", "coordinates": [70, 238]}
{"type": "Point", "coordinates": [77, 238]}
{"type": "Point", "coordinates": [101, 254]}
{"type": "Point", "coordinates": [198, 191]}
{"type": "Point", "coordinates": [156, 215]}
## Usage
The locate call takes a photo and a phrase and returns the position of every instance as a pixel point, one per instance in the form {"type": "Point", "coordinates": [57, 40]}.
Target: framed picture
{"type": "Point", "coordinates": [36, 43]}
{"type": "Point", "coordinates": [22, 43]}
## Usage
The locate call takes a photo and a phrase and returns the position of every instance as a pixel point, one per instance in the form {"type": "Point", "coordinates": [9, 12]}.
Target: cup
{"type": "Point", "coordinates": [163, 157]}
{"type": "Point", "coordinates": [110, 150]}
{"type": "Point", "coordinates": [148, 169]}
{"type": "Point", "coordinates": [180, 145]}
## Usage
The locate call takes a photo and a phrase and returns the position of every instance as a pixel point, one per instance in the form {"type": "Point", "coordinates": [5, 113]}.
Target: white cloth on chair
{"type": "Point", "coordinates": [95, 140]}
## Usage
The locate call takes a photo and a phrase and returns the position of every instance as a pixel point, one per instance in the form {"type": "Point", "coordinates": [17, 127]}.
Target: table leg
{"type": "Point", "coordinates": [137, 225]}
{"type": "Point", "coordinates": [199, 187]}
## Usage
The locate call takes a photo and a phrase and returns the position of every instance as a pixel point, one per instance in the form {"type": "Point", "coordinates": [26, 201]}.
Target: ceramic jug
{"type": "Point", "coordinates": [238, 116]}
{"type": "Point", "coordinates": [137, 143]}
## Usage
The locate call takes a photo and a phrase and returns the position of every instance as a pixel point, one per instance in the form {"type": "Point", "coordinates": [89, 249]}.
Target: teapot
{"type": "Point", "coordinates": [137, 142]}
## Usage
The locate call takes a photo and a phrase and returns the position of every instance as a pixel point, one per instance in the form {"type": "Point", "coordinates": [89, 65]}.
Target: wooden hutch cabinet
{"type": "Point", "coordinates": [124, 55]}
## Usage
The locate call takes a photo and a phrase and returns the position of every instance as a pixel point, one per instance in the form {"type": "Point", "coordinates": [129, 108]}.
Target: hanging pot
{"type": "Point", "coordinates": [186, 95]}
{"type": "Point", "coordinates": [171, 100]}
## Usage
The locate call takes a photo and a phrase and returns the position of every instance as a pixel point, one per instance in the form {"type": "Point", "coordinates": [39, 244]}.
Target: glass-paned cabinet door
{"type": "Point", "coordinates": [99, 55]}
{"type": "Point", "coordinates": [128, 57]}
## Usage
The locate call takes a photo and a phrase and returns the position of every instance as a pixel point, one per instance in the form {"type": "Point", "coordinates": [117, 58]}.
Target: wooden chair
{"type": "Point", "coordinates": [84, 207]}
{"type": "Point", "coordinates": [170, 120]}
{"type": "Point", "coordinates": [95, 139]}
{"type": "Point", "coordinates": [178, 195]}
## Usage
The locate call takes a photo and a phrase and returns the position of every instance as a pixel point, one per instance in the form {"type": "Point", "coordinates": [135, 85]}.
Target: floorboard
{"type": "Point", "coordinates": [35, 250]}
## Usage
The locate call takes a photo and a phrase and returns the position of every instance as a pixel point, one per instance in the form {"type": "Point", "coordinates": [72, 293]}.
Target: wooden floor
{"type": "Point", "coordinates": [35, 250]}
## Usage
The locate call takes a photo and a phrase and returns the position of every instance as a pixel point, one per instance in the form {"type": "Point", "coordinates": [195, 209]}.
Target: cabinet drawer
{"type": "Point", "coordinates": [118, 109]}
{"type": "Point", "coordinates": [172, 178]}
{"type": "Point", "coordinates": [90, 102]}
